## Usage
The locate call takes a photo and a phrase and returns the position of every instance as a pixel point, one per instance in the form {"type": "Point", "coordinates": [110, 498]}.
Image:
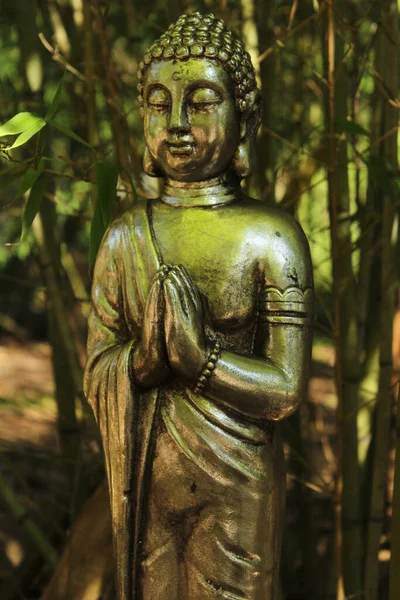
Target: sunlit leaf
{"type": "Point", "coordinates": [28, 134]}
{"type": "Point", "coordinates": [350, 127]}
{"type": "Point", "coordinates": [33, 204]}
{"type": "Point", "coordinates": [106, 178]}
{"type": "Point", "coordinates": [56, 101]}
{"type": "Point", "coordinates": [19, 123]}
{"type": "Point", "coordinates": [69, 133]}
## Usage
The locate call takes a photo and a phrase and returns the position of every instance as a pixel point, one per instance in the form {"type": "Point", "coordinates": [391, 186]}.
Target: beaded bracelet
{"type": "Point", "coordinates": [208, 368]}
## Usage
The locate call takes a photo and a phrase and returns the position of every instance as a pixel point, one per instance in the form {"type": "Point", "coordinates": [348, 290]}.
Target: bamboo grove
{"type": "Point", "coordinates": [71, 153]}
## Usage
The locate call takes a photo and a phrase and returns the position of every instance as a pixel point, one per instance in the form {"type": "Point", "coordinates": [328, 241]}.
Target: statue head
{"type": "Point", "coordinates": [200, 102]}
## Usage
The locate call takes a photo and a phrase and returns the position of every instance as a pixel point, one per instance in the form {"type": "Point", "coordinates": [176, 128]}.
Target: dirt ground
{"type": "Point", "coordinates": [29, 459]}
{"type": "Point", "coordinates": [27, 407]}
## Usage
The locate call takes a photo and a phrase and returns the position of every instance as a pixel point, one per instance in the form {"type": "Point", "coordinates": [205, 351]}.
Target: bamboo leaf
{"type": "Point", "coordinates": [106, 178]}
{"type": "Point", "coordinates": [96, 235]}
{"type": "Point", "coordinates": [7, 176]}
{"type": "Point", "coordinates": [56, 100]}
{"type": "Point", "coordinates": [382, 173]}
{"type": "Point", "coordinates": [19, 123]}
{"type": "Point", "coordinates": [69, 133]}
{"type": "Point", "coordinates": [350, 127]}
{"type": "Point", "coordinates": [33, 205]}
{"type": "Point", "coordinates": [30, 177]}
{"type": "Point", "coordinates": [28, 134]}
{"type": "Point", "coordinates": [106, 173]}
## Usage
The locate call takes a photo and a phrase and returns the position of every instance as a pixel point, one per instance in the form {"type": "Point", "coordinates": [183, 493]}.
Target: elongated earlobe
{"type": "Point", "coordinates": [242, 159]}
{"type": "Point", "coordinates": [150, 167]}
{"type": "Point", "coordinates": [250, 120]}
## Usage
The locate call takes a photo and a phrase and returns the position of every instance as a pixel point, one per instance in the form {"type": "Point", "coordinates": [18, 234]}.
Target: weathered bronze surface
{"type": "Point", "coordinates": [199, 337]}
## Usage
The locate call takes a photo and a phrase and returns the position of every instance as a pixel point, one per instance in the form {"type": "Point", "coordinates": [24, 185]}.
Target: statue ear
{"type": "Point", "coordinates": [150, 167]}
{"type": "Point", "coordinates": [249, 123]}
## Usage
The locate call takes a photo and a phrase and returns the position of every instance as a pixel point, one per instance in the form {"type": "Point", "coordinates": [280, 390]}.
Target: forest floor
{"type": "Point", "coordinates": [31, 460]}
{"type": "Point", "coordinates": [29, 457]}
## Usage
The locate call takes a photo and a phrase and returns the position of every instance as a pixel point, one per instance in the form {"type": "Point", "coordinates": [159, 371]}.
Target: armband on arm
{"type": "Point", "coordinates": [291, 306]}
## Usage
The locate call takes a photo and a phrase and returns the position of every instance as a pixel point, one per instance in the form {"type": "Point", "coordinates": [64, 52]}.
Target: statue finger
{"type": "Point", "coordinates": [189, 287]}
{"type": "Point", "coordinates": [172, 299]}
{"type": "Point", "coordinates": [153, 305]}
{"type": "Point", "coordinates": [173, 317]}
{"type": "Point", "coordinates": [187, 281]}
{"type": "Point", "coordinates": [194, 310]}
{"type": "Point", "coordinates": [175, 280]}
{"type": "Point", "coordinates": [162, 272]}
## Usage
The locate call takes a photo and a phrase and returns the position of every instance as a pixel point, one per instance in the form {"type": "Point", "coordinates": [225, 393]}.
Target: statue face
{"type": "Point", "coordinates": [191, 125]}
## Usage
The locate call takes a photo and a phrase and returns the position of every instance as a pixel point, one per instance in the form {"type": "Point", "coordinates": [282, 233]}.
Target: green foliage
{"type": "Point", "coordinates": [68, 132]}
{"type": "Point", "coordinates": [20, 123]}
{"type": "Point", "coordinates": [34, 202]}
{"type": "Point", "coordinates": [350, 127]}
{"type": "Point", "coordinates": [29, 178]}
{"type": "Point", "coordinates": [106, 180]}
{"type": "Point", "coordinates": [34, 179]}
{"type": "Point", "coordinates": [56, 101]}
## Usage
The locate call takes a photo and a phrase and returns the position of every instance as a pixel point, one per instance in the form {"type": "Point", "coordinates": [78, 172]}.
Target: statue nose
{"type": "Point", "coordinates": [178, 120]}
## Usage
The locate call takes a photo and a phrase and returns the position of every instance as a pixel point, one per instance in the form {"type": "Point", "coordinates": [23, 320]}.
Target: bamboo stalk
{"type": "Point", "coordinates": [394, 586]}
{"type": "Point", "coordinates": [67, 369]}
{"type": "Point", "coordinates": [249, 31]}
{"type": "Point", "coordinates": [388, 40]}
{"type": "Point", "coordinates": [383, 413]}
{"type": "Point", "coordinates": [266, 145]}
{"type": "Point", "coordinates": [55, 294]}
{"type": "Point", "coordinates": [250, 34]}
{"type": "Point", "coordinates": [118, 121]}
{"type": "Point", "coordinates": [129, 18]}
{"type": "Point", "coordinates": [333, 209]}
{"type": "Point", "coordinates": [88, 51]}
{"type": "Point", "coordinates": [368, 301]}
{"type": "Point", "coordinates": [75, 279]}
{"type": "Point", "coordinates": [347, 366]}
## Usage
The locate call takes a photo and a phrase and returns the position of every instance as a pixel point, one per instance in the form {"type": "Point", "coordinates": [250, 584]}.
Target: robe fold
{"type": "Point", "coordinates": [125, 267]}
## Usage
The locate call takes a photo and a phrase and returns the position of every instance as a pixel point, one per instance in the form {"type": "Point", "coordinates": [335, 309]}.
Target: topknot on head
{"type": "Point", "coordinates": [196, 36]}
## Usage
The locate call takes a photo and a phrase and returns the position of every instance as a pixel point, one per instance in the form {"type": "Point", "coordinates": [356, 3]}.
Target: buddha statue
{"type": "Point", "coordinates": [199, 337]}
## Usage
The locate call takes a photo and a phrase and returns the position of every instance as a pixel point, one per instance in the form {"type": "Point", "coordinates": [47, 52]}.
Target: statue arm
{"type": "Point", "coordinates": [113, 337]}
{"type": "Point", "coordinates": [271, 383]}
{"type": "Point", "coordinates": [109, 344]}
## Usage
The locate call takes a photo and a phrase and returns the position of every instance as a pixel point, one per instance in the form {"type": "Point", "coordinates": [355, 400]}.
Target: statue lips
{"type": "Point", "coordinates": [181, 147]}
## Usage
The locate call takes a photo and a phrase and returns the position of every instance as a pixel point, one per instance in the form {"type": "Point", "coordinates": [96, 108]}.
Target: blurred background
{"type": "Point", "coordinates": [71, 151]}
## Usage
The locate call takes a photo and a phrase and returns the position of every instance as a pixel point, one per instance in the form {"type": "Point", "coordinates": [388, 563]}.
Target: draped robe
{"type": "Point", "coordinates": [125, 266]}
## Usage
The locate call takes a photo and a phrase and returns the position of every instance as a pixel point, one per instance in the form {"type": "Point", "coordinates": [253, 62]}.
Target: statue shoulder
{"type": "Point", "coordinates": [138, 210]}
{"type": "Point", "coordinates": [122, 227]}
{"type": "Point", "coordinates": [287, 260]}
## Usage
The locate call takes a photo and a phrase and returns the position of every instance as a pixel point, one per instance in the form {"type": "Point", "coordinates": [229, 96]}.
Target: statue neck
{"type": "Point", "coordinates": [210, 192]}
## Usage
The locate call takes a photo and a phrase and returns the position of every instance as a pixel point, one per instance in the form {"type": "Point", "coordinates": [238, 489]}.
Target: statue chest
{"type": "Point", "coordinates": [221, 262]}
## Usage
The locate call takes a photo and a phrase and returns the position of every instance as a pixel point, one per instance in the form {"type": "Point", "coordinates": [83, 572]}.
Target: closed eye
{"type": "Point", "coordinates": [204, 106]}
{"type": "Point", "coordinates": [158, 106]}
{"type": "Point", "coordinates": [158, 99]}
{"type": "Point", "coordinates": [203, 99]}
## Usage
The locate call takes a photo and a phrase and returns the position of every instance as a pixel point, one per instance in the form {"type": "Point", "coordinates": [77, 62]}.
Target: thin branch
{"type": "Point", "coordinates": [58, 58]}
{"type": "Point", "coordinates": [308, 484]}
{"type": "Point", "coordinates": [292, 16]}
{"type": "Point", "coordinates": [290, 33]}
